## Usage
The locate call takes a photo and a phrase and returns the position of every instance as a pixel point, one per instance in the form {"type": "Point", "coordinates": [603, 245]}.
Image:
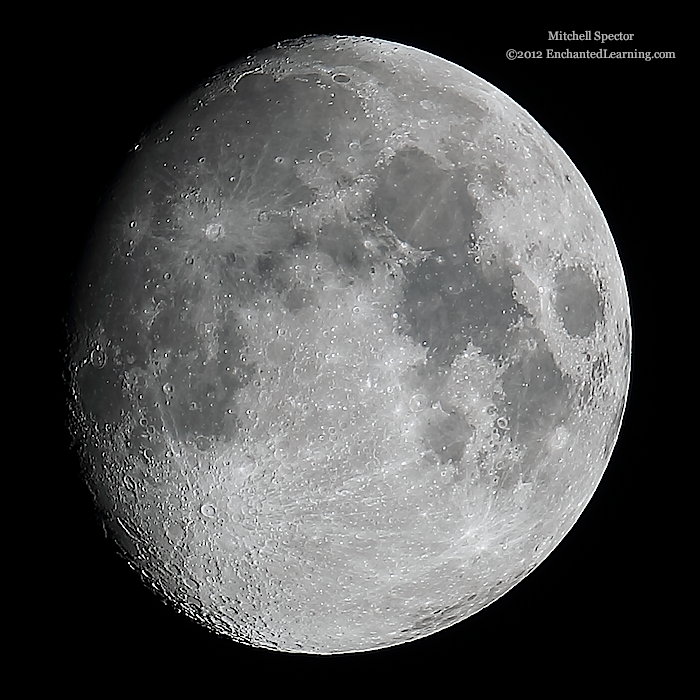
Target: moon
{"type": "Point", "coordinates": [350, 348]}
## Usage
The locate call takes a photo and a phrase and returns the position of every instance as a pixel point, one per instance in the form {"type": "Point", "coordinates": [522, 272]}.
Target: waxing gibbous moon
{"type": "Point", "coordinates": [350, 348]}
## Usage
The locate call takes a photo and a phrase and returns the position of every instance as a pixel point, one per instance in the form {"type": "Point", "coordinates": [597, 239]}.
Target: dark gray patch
{"type": "Point", "coordinates": [266, 264]}
{"type": "Point", "coordinates": [448, 437]}
{"type": "Point", "coordinates": [101, 393]}
{"type": "Point", "coordinates": [425, 206]}
{"type": "Point", "coordinates": [204, 388]}
{"type": "Point", "coordinates": [448, 303]}
{"type": "Point", "coordinates": [343, 245]}
{"type": "Point", "coordinates": [537, 395]}
{"type": "Point", "coordinates": [577, 301]}
{"type": "Point", "coordinates": [299, 298]}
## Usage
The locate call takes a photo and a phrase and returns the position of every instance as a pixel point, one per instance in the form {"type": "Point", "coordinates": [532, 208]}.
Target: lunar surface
{"type": "Point", "coordinates": [349, 350]}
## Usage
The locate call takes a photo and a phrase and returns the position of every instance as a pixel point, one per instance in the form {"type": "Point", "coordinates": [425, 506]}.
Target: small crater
{"type": "Point", "coordinates": [208, 510]}
{"type": "Point", "coordinates": [418, 403]}
{"type": "Point", "coordinates": [98, 357]}
{"type": "Point", "coordinates": [203, 443]}
{"type": "Point", "coordinates": [175, 531]}
{"type": "Point", "coordinates": [214, 231]}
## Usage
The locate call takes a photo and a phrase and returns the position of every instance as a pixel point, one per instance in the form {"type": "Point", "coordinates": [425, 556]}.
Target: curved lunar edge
{"type": "Point", "coordinates": [349, 350]}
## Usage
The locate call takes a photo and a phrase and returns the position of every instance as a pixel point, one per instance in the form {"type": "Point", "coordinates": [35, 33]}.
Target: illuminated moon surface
{"type": "Point", "coordinates": [350, 348]}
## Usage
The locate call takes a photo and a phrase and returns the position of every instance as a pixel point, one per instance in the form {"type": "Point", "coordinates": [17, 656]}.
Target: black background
{"type": "Point", "coordinates": [597, 609]}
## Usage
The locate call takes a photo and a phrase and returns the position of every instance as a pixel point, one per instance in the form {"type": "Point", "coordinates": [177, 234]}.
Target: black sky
{"type": "Point", "coordinates": [594, 602]}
